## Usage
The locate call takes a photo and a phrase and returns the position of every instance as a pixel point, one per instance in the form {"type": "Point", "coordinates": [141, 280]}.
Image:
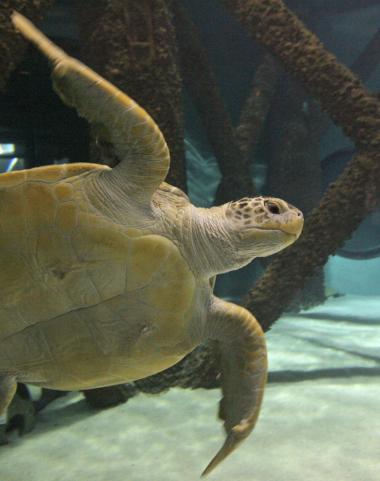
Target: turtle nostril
{"type": "Point", "coordinates": [273, 208]}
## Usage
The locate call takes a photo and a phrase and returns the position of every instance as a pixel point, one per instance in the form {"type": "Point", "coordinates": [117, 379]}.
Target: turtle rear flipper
{"type": "Point", "coordinates": [8, 386]}
{"type": "Point", "coordinates": [244, 372]}
{"type": "Point", "coordinates": [138, 142]}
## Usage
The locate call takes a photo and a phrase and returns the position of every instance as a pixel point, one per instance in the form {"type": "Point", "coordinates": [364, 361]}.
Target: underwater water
{"type": "Point", "coordinates": [320, 416]}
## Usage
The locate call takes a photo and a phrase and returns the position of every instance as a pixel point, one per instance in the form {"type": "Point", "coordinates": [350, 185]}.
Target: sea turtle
{"type": "Point", "coordinates": [107, 275]}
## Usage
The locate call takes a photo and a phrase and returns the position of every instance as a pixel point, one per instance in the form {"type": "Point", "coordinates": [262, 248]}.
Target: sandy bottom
{"type": "Point", "coordinates": [320, 419]}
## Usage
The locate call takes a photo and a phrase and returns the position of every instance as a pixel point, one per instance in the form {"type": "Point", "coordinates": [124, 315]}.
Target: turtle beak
{"type": "Point", "coordinates": [292, 223]}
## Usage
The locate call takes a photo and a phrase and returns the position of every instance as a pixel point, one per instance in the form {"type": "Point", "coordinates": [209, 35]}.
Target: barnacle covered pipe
{"type": "Point", "coordinates": [351, 106]}
{"type": "Point", "coordinates": [201, 84]}
{"type": "Point", "coordinates": [133, 45]}
{"type": "Point", "coordinates": [12, 47]}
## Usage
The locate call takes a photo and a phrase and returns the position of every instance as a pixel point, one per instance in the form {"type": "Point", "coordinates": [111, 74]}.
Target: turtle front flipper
{"type": "Point", "coordinates": [244, 372]}
{"type": "Point", "coordinates": [137, 141]}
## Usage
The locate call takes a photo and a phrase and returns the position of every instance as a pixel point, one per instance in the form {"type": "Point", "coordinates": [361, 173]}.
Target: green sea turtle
{"type": "Point", "coordinates": [107, 274]}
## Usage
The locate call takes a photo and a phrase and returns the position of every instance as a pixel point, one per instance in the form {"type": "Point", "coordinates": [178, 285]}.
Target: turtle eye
{"type": "Point", "coordinates": [273, 208]}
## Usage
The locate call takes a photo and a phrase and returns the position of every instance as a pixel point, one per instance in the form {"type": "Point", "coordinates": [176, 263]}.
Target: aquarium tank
{"type": "Point", "coordinates": [190, 240]}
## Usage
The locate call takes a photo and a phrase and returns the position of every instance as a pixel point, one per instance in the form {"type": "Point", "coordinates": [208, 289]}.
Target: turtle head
{"type": "Point", "coordinates": [226, 237]}
{"type": "Point", "coordinates": [262, 226]}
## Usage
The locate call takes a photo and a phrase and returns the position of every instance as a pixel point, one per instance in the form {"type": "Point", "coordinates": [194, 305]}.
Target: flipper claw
{"type": "Point", "coordinates": [230, 444]}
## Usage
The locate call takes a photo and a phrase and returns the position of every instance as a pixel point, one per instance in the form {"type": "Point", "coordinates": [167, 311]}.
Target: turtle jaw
{"type": "Point", "coordinates": [263, 242]}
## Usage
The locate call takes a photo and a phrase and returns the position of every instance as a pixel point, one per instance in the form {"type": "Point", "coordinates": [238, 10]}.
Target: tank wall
{"type": "Point", "coordinates": [353, 277]}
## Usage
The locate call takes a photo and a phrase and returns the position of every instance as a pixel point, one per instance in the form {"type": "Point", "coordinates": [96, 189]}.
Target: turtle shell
{"type": "Point", "coordinates": [86, 302]}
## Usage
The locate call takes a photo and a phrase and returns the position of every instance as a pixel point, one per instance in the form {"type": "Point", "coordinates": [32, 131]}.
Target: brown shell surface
{"type": "Point", "coordinates": [85, 302]}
